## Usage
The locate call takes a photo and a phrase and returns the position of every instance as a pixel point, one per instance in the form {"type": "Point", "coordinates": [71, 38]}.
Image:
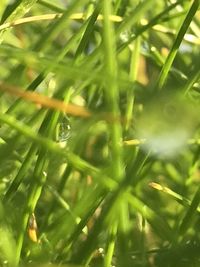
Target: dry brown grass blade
{"type": "Point", "coordinates": [45, 101]}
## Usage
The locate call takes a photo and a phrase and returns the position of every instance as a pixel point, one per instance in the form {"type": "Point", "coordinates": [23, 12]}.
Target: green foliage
{"type": "Point", "coordinates": [99, 133]}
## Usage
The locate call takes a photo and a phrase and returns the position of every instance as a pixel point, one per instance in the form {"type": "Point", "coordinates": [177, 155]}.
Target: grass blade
{"type": "Point", "coordinates": [180, 35]}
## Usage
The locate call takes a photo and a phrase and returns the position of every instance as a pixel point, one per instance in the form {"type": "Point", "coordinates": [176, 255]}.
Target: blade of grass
{"type": "Point", "coordinates": [13, 186]}
{"type": "Point", "coordinates": [191, 82]}
{"type": "Point", "coordinates": [84, 209]}
{"type": "Point", "coordinates": [112, 90]}
{"type": "Point", "coordinates": [111, 201]}
{"type": "Point", "coordinates": [134, 68]}
{"type": "Point", "coordinates": [51, 6]}
{"type": "Point", "coordinates": [134, 170]}
{"type": "Point", "coordinates": [58, 26]}
{"type": "Point", "coordinates": [39, 174]}
{"type": "Point", "coordinates": [87, 34]}
{"type": "Point", "coordinates": [17, 9]}
{"type": "Point", "coordinates": [53, 147]}
{"type": "Point", "coordinates": [76, 16]}
{"type": "Point", "coordinates": [134, 16]}
{"type": "Point", "coordinates": [50, 68]}
{"type": "Point", "coordinates": [65, 68]}
{"type": "Point", "coordinates": [124, 228]}
{"type": "Point", "coordinates": [46, 101]}
{"type": "Point", "coordinates": [149, 25]}
{"type": "Point", "coordinates": [110, 245]}
{"type": "Point", "coordinates": [189, 216]}
{"type": "Point", "coordinates": [154, 55]}
{"type": "Point", "coordinates": [130, 21]}
{"type": "Point", "coordinates": [180, 35]}
{"type": "Point", "coordinates": [84, 253]}
{"type": "Point", "coordinates": [179, 198]}
{"type": "Point", "coordinates": [60, 189]}
{"type": "Point", "coordinates": [69, 242]}
{"type": "Point", "coordinates": [158, 223]}
{"type": "Point", "coordinates": [37, 183]}
{"type": "Point", "coordinates": [20, 175]}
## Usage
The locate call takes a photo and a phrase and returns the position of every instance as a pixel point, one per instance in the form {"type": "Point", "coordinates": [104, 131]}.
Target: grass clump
{"type": "Point", "coordinates": [99, 133]}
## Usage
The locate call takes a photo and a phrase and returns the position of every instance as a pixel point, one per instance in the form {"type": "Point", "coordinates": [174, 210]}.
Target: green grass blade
{"type": "Point", "coordinates": [134, 68]}
{"type": "Point", "coordinates": [112, 91]}
{"type": "Point", "coordinates": [87, 34]}
{"type": "Point", "coordinates": [189, 216]}
{"type": "Point", "coordinates": [135, 15]}
{"type": "Point", "coordinates": [191, 82]}
{"type": "Point", "coordinates": [110, 245]}
{"type": "Point", "coordinates": [149, 25]}
{"type": "Point", "coordinates": [180, 35]}
{"type": "Point", "coordinates": [58, 26]}
{"type": "Point", "coordinates": [162, 227]}
{"type": "Point", "coordinates": [55, 148]}
{"type": "Point", "coordinates": [51, 6]}
{"type": "Point", "coordinates": [17, 9]}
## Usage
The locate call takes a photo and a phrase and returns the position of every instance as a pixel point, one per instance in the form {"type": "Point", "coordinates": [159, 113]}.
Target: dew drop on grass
{"type": "Point", "coordinates": [63, 130]}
